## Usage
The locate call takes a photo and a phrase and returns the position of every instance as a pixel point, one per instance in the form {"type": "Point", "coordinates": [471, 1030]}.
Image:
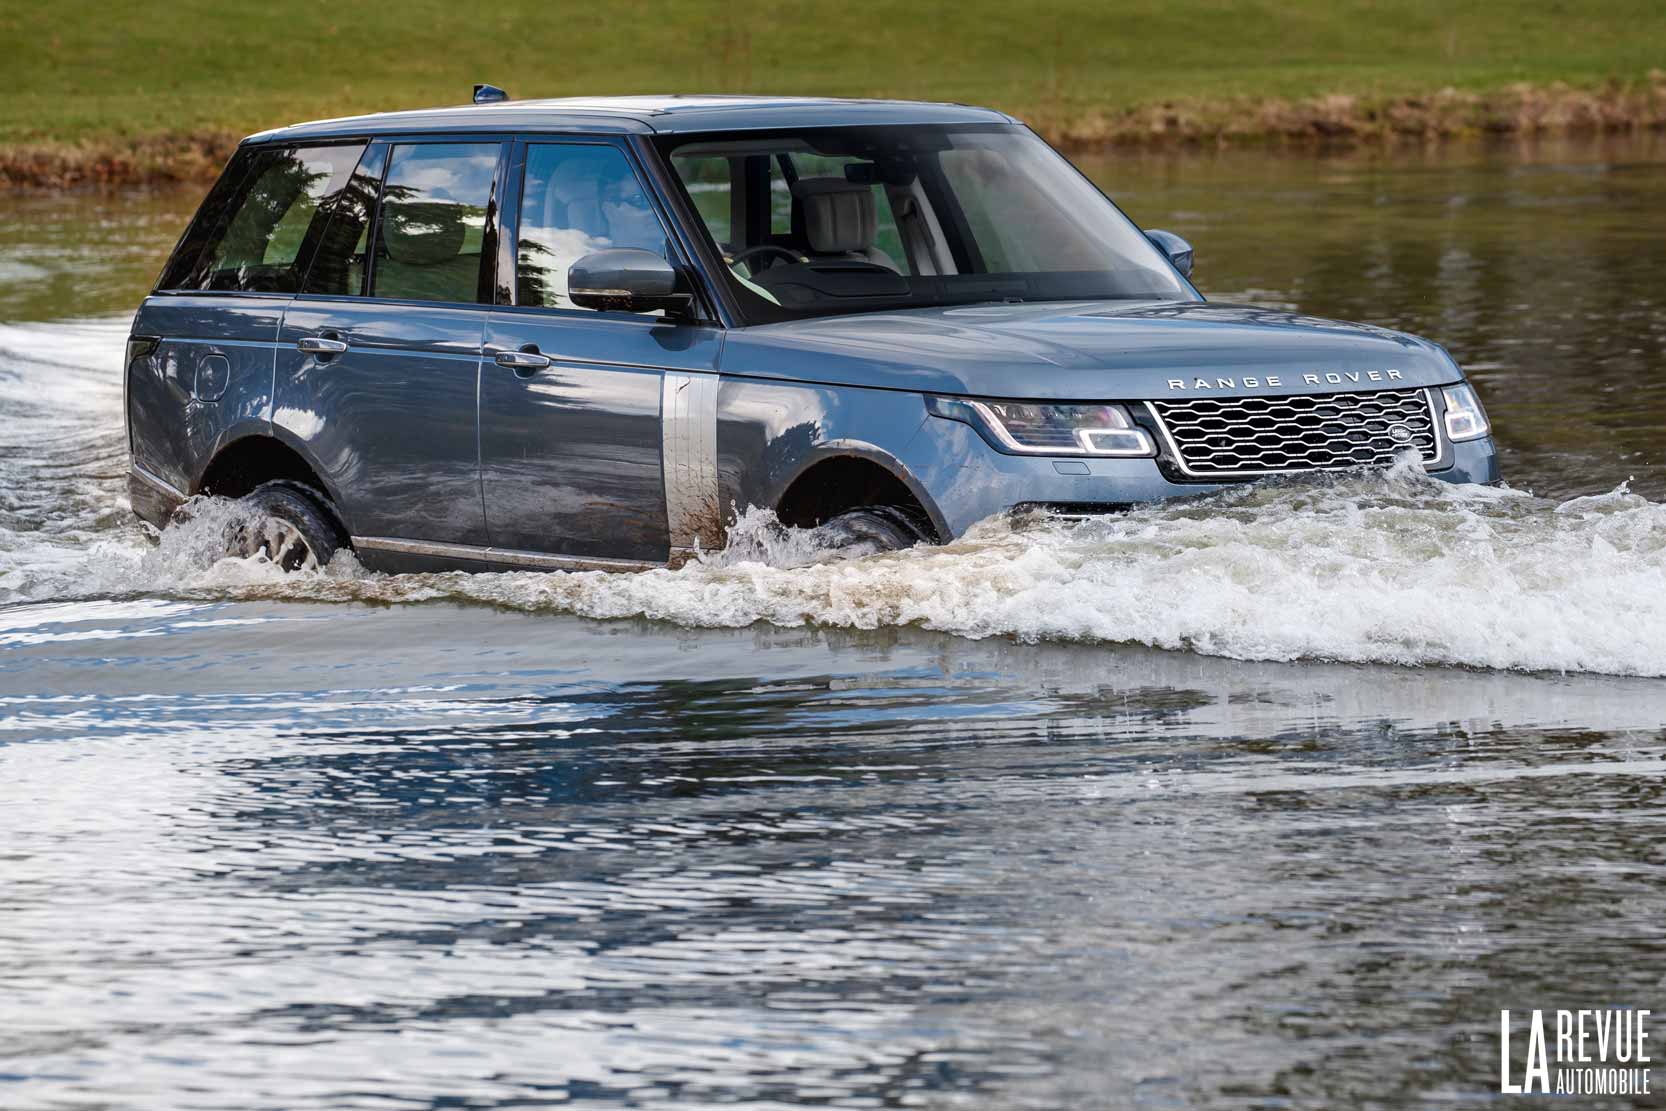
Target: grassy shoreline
{"type": "Point", "coordinates": [1615, 106]}
{"type": "Point", "coordinates": [101, 94]}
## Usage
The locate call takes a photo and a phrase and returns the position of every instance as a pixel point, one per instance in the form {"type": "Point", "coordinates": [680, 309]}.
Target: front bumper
{"type": "Point", "coordinates": [968, 480]}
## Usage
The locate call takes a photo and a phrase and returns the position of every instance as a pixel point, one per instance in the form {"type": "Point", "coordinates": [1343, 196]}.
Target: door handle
{"type": "Point", "coordinates": [522, 360]}
{"type": "Point", "coordinates": [319, 345]}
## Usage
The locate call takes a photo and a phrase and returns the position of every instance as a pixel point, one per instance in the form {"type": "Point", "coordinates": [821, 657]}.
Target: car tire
{"type": "Point", "coordinates": [870, 530]}
{"type": "Point", "coordinates": [290, 524]}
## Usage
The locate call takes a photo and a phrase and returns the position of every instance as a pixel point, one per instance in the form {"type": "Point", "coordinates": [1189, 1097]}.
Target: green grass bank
{"type": "Point", "coordinates": [131, 92]}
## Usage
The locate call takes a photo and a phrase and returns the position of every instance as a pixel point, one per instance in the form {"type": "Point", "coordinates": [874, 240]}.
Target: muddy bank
{"type": "Point", "coordinates": [156, 160]}
{"type": "Point", "coordinates": [1449, 114]}
{"type": "Point", "coordinates": [1556, 109]}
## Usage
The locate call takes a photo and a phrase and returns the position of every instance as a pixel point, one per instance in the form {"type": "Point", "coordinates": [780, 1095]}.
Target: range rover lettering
{"type": "Point", "coordinates": [581, 333]}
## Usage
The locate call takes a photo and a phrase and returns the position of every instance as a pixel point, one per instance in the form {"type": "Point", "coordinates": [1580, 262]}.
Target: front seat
{"type": "Point", "coordinates": [838, 221]}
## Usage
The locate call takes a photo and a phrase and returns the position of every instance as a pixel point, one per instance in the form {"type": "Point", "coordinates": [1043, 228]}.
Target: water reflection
{"type": "Point", "coordinates": [270, 854]}
{"type": "Point", "coordinates": [528, 859]}
{"type": "Point", "coordinates": [1532, 262]}
{"type": "Point", "coordinates": [86, 254]}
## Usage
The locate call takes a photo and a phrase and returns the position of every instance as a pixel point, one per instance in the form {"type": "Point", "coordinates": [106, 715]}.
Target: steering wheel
{"type": "Point", "coordinates": [793, 257]}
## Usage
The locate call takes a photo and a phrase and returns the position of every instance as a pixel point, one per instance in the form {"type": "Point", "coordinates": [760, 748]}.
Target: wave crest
{"type": "Point", "coordinates": [1384, 568]}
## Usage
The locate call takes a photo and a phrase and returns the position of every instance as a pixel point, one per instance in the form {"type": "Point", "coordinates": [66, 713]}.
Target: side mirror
{"type": "Point", "coordinates": [1178, 250]}
{"type": "Point", "coordinates": [626, 279]}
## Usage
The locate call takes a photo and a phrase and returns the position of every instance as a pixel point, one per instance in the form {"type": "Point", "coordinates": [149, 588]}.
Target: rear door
{"type": "Point", "coordinates": [572, 452]}
{"type": "Point", "coordinates": [219, 303]}
{"type": "Point", "coordinates": [379, 357]}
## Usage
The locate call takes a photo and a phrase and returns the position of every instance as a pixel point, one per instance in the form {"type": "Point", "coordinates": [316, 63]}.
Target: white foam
{"type": "Point", "coordinates": [1383, 568]}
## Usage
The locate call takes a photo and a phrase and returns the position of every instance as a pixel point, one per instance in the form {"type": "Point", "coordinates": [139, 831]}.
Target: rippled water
{"type": "Point", "coordinates": [1040, 819]}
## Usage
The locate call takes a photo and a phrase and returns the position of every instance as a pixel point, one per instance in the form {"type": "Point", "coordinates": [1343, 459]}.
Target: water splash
{"type": "Point", "coordinates": [1388, 567]}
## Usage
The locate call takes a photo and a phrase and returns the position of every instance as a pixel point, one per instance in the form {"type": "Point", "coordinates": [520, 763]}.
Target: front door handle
{"type": "Point", "coordinates": [522, 360]}
{"type": "Point", "coordinates": [320, 345]}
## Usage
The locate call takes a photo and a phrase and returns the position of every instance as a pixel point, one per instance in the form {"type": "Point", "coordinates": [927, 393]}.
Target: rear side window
{"type": "Point", "coordinates": [339, 265]}
{"type": "Point", "coordinates": [577, 199]}
{"type": "Point", "coordinates": [433, 232]}
{"type": "Point", "coordinates": [260, 223]}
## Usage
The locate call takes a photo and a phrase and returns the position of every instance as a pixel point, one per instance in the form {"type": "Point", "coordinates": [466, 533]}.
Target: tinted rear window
{"type": "Point", "coordinates": [257, 229]}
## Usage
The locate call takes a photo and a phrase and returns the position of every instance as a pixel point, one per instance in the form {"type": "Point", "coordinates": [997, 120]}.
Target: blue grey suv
{"type": "Point", "coordinates": [584, 333]}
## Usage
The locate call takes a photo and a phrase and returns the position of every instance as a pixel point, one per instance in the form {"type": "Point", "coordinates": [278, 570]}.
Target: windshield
{"type": "Point", "coordinates": [838, 220]}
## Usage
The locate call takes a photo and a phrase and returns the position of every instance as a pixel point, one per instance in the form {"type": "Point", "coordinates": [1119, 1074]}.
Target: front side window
{"type": "Point", "coordinates": [577, 199]}
{"type": "Point", "coordinates": [256, 234]}
{"type": "Point", "coordinates": [431, 241]}
{"type": "Point", "coordinates": [839, 220]}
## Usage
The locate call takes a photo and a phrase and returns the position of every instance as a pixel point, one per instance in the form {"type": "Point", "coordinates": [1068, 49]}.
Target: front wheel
{"type": "Point", "coordinates": [288, 523]}
{"type": "Point", "coordinates": [869, 531]}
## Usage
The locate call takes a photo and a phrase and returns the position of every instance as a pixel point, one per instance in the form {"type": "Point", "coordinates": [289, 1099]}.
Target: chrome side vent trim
{"type": "Point", "coordinates": [688, 431]}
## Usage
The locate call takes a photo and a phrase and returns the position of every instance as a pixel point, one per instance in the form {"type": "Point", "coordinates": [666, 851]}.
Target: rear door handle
{"type": "Point", "coordinates": [522, 360]}
{"type": "Point", "coordinates": [318, 345]}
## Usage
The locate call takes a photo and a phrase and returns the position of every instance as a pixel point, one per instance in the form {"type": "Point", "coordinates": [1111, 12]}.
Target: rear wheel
{"type": "Point", "coordinates": [870, 530]}
{"type": "Point", "coordinates": [290, 524]}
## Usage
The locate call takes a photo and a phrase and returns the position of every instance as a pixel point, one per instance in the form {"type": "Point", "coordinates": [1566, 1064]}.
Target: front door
{"type": "Point", "coordinates": [572, 451]}
{"type": "Point", "coordinates": [379, 358]}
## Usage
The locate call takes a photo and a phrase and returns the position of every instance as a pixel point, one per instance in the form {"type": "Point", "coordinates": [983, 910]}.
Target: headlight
{"type": "Point", "coordinates": [1038, 428]}
{"type": "Point", "coordinates": [1465, 419]}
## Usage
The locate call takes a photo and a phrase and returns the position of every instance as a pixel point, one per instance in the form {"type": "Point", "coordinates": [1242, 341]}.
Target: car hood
{"type": "Point", "coordinates": [1089, 351]}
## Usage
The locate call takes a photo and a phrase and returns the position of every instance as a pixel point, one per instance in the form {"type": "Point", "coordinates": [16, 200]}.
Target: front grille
{"type": "Point", "coordinates": [1236, 437]}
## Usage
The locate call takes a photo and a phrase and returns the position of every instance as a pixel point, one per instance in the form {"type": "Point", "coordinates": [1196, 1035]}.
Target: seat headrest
{"type": "Point", "coordinates": [423, 233]}
{"type": "Point", "coordinates": [839, 216]}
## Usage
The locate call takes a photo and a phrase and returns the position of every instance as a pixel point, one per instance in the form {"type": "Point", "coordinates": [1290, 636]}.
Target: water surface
{"type": "Point", "coordinates": [1272, 800]}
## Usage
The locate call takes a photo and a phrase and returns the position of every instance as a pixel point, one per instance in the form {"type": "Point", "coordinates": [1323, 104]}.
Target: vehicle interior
{"type": "Point", "coordinates": [843, 220]}
{"type": "Point", "coordinates": [790, 220]}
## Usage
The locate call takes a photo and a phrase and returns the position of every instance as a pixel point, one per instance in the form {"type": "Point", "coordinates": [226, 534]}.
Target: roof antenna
{"type": "Point", "coordinates": [489, 94]}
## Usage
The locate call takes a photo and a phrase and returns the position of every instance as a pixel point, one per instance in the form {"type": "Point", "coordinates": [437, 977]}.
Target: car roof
{"type": "Point", "coordinates": [642, 115]}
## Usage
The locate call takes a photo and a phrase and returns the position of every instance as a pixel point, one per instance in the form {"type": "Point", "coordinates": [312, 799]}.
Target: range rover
{"type": "Point", "coordinates": [583, 333]}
